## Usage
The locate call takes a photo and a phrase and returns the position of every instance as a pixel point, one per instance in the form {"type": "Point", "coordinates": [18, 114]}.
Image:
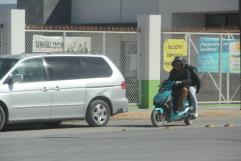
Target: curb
{"type": "Point", "coordinates": [135, 115]}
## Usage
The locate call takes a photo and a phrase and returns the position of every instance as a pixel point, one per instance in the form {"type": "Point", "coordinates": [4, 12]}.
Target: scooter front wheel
{"type": "Point", "coordinates": [157, 118]}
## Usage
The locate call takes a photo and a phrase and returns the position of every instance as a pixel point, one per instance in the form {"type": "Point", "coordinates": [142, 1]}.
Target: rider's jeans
{"type": "Point", "coordinates": [193, 97]}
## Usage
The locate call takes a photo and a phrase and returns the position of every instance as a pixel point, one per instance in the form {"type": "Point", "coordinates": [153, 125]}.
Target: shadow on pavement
{"type": "Point", "coordinates": [44, 126]}
{"type": "Point", "coordinates": [147, 126]}
{"type": "Point", "coordinates": [40, 126]}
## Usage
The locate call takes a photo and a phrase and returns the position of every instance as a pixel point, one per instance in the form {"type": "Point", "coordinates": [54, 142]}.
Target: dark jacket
{"type": "Point", "coordinates": [183, 75]}
{"type": "Point", "coordinates": [196, 81]}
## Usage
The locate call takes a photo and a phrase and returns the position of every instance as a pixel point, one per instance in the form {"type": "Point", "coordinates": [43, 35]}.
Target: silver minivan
{"type": "Point", "coordinates": [56, 87]}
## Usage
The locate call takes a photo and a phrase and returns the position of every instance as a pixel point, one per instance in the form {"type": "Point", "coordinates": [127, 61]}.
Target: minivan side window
{"type": "Point", "coordinates": [65, 68]}
{"type": "Point", "coordinates": [32, 70]}
{"type": "Point", "coordinates": [6, 65]}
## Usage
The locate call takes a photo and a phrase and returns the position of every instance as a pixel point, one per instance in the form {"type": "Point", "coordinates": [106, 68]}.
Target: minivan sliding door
{"type": "Point", "coordinates": [67, 87]}
{"type": "Point", "coordinates": [30, 99]}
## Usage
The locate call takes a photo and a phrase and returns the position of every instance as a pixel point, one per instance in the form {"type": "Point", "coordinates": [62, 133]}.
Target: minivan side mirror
{"type": "Point", "coordinates": [15, 78]}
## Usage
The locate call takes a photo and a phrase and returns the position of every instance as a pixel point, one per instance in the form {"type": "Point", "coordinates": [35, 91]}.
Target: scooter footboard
{"type": "Point", "coordinates": [159, 109]}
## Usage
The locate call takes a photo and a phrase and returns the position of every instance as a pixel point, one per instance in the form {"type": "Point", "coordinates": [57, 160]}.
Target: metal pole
{"type": "Point", "coordinates": [64, 36]}
{"type": "Point", "coordinates": [189, 49]}
{"type": "Point", "coordinates": [228, 78]}
{"type": "Point", "coordinates": [228, 86]}
{"type": "Point", "coordinates": [220, 70]}
{"type": "Point", "coordinates": [103, 40]}
{"type": "Point", "coordinates": [120, 18]}
{"type": "Point", "coordinates": [139, 67]}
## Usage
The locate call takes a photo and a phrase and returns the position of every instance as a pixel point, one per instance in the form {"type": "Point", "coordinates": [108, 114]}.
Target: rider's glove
{"type": "Point", "coordinates": [178, 82]}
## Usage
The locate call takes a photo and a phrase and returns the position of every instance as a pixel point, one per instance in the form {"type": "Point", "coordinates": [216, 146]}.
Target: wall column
{"type": "Point", "coordinates": [14, 32]}
{"type": "Point", "coordinates": [149, 45]}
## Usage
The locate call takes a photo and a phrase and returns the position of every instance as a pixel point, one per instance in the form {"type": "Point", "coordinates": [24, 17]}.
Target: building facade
{"type": "Point", "coordinates": [175, 13]}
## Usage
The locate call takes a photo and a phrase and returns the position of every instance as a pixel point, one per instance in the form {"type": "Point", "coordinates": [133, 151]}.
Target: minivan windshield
{"type": "Point", "coordinates": [6, 65]}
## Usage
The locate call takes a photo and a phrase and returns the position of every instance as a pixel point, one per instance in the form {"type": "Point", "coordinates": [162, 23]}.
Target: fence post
{"type": "Point", "coordinates": [64, 36]}
{"type": "Point", "coordinates": [138, 65]}
{"type": "Point", "coordinates": [220, 69]}
{"type": "Point", "coordinates": [103, 47]}
{"type": "Point", "coordinates": [228, 86]}
{"type": "Point", "coordinates": [228, 78]}
{"type": "Point", "coordinates": [189, 47]}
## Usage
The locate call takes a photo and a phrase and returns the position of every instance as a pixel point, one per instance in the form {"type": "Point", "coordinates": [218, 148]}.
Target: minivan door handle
{"type": "Point", "coordinates": [44, 89]}
{"type": "Point", "coordinates": [57, 88]}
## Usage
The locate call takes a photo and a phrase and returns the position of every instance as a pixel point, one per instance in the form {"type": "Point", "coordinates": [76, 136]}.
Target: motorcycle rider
{"type": "Point", "coordinates": [182, 79]}
{"type": "Point", "coordinates": [194, 86]}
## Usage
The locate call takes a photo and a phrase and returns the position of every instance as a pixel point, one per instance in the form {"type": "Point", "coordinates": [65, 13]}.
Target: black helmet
{"type": "Point", "coordinates": [177, 59]}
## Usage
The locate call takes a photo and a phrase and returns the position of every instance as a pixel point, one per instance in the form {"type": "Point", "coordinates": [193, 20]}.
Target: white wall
{"type": "Point", "coordinates": [4, 9]}
{"type": "Point", "coordinates": [168, 7]}
{"type": "Point", "coordinates": [14, 32]}
{"type": "Point", "coordinates": [95, 11]}
{"type": "Point", "coordinates": [149, 46]}
{"type": "Point", "coordinates": [180, 20]}
{"type": "Point", "coordinates": [130, 9]}
{"type": "Point", "coordinates": [175, 13]}
{"type": "Point", "coordinates": [8, 1]}
{"type": "Point", "coordinates": [4, 15]}
{"type": "Point", "coordinates": [111, 11]}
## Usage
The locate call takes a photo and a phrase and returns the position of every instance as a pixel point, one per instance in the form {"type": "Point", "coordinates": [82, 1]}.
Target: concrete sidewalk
{"type": "Point", "coordinates": [218, 110]}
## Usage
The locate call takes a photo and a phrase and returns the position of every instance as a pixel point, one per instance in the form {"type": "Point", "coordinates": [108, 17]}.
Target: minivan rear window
{"type": "Point", "coordinates": [95, 67]}
{"type": "Point", "coordinates": [66, 68]}
{"type": "Point", "coordinates": [6, 65]}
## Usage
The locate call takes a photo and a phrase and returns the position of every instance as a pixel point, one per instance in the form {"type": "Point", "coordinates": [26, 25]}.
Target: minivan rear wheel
{"type": "Point", "coordinates": [98, 113]}
{"type": "Point", "coordinates": [2, 118]}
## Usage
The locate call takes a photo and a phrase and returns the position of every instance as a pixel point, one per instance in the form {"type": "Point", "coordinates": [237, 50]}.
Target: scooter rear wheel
{"type": "Point", "coordinates": [187, 121]}
{"type": "Point", "coordinates": [157, 118]}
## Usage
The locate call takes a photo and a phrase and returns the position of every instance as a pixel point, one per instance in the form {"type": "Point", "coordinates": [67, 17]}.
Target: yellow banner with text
{"type": "Point", "coordinates": [173, 48]}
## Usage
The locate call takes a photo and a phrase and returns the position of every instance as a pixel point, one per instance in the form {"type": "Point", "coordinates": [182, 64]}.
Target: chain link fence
{"type": "Point", "coordinates": [216, 55]}
{"type": "Point", "coordinates": [219, 85]}
{"type": "Point", "coordinates": [120, 47]}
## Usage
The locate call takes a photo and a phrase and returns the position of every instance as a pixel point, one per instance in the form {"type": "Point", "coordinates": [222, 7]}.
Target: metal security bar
{"type": "Point", "coordinates": [120, 47]}
{"type": "Point", "coordinates": [220, 79]}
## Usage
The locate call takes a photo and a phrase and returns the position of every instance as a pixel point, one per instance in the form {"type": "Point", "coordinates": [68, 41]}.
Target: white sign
{"type": "Point", "coordinates": [58, 44]}
{"type": "Point", "coordinates": [234, 57]}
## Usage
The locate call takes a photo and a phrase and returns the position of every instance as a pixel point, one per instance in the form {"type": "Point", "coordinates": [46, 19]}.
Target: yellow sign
{"type": "Point", "coordinates": [173, 48]}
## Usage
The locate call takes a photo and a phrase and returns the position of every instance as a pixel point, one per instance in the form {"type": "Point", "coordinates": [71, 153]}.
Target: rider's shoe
{"type": "Point", "coordinates": [196, 114]}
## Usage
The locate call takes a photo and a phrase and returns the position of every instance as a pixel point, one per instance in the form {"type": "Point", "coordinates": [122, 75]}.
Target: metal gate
{"type": "Point", "coordinates": [217, 86]}
{"type": "Point", "coordinates": [120, 47]}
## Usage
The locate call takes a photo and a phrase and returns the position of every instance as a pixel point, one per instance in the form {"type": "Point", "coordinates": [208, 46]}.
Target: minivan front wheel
{"type": "Point", "coordinates": [98, 113]}
{"type": "Point", "coordinates": [2, 118]}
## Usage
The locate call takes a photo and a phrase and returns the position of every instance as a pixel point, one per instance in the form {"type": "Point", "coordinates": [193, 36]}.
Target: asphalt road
{"type": "Point", "coordinates": [124, 140]}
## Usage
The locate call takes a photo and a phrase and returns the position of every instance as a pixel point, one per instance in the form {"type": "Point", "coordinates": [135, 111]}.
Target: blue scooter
{"type": "Point", "coordinates": [163, 112]}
